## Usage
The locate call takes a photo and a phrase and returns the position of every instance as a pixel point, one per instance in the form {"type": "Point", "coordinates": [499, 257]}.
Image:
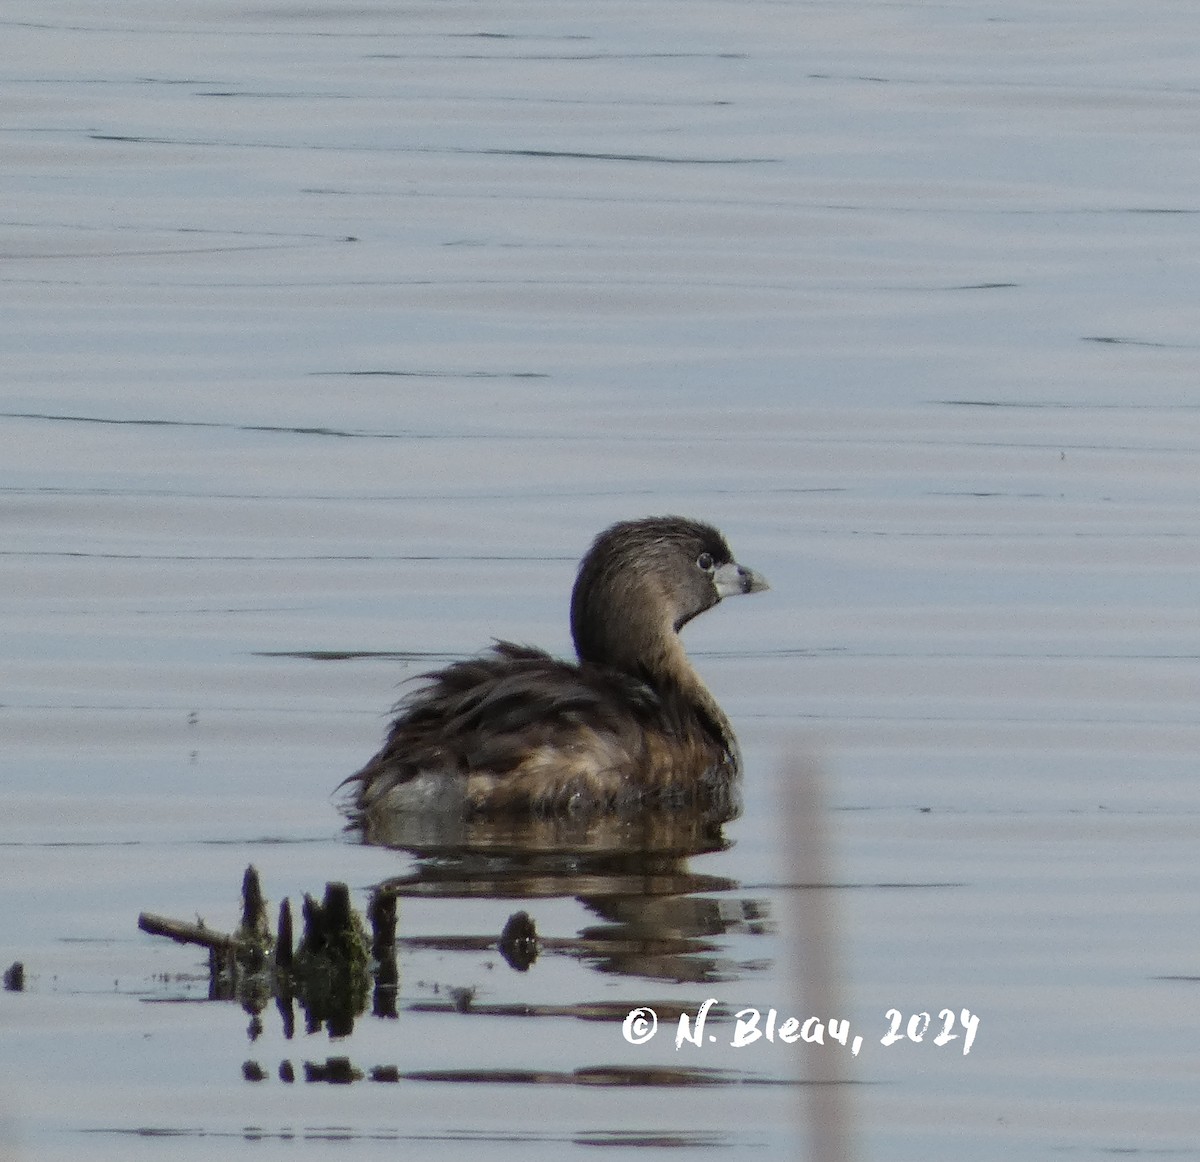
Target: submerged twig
{"type": "Point", "coordinates": [184, 933]}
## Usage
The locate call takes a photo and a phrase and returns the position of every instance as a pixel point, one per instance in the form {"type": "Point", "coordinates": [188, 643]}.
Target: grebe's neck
{"type": "Point", "coordinates": [648, 648]}
{"type": "Point", "coordinates": [673, 670]}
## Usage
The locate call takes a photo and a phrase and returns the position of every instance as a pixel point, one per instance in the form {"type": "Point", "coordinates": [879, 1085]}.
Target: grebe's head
{"type": "Point", "coordinates": [644, 579]}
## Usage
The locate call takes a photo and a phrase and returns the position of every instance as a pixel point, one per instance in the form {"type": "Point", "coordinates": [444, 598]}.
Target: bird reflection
{"type": "Point", "coordinates": [656, 917]}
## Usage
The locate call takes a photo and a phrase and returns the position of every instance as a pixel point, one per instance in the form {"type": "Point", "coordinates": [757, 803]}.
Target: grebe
{"type": "Point", "coordinates": [631, 724]}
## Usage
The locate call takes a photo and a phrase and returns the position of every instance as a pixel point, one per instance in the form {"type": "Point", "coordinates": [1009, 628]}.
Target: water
{"type": "Point", "coordinates": [330, 337]}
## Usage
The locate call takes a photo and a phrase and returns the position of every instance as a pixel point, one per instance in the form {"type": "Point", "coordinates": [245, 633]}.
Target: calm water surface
{"type": "Point", "coordinates": [332, 334]}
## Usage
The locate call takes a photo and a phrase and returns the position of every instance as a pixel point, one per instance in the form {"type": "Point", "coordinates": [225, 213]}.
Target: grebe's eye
{"type": "Point", "coordinates": [705, 562]}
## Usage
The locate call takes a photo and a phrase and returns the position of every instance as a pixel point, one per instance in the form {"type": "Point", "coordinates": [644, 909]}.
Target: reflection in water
{"type": "Point", "coordinates": [342, 1071]}
{"type": "Point", "coordinates": [658, 919]}
{"type": "Point", "coordinates": [662, 832]}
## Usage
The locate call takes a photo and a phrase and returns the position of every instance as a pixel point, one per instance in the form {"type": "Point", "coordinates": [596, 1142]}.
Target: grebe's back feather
{"type": "Point", "coordinates": [530, 731]}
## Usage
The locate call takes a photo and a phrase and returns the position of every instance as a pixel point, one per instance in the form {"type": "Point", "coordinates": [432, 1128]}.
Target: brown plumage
{"type": "Point", "coordinates": [630, 724]}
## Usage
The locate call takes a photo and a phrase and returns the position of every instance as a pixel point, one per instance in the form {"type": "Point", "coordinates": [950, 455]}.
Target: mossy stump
{"type": "Point", "coordinates": [329, 972]}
